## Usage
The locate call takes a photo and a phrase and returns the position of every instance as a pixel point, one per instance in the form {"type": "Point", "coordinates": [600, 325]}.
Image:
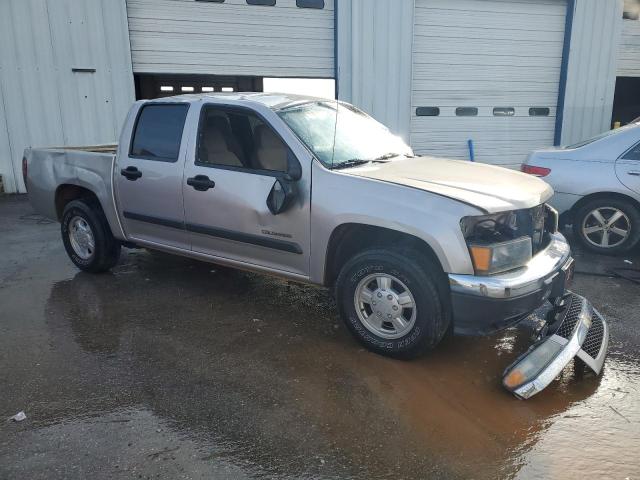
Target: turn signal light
{"type": "Point", "coordinates": [533, 170]}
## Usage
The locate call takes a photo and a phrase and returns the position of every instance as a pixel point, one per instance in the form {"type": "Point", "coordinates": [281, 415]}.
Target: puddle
{"type": "Point", "coordinates": [222, 371]}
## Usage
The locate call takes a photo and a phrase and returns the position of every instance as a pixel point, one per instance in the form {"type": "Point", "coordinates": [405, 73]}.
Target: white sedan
{"type": "Point", "coordinates": [597, 187]}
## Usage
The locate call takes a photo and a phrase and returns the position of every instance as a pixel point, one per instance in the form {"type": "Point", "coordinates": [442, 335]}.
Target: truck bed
{"type": "Point", "coordinates": [54, 169]}
{"type": "Point", "coordinates": [108, 148]}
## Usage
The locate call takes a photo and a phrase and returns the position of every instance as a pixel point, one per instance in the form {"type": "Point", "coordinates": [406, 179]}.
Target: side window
{"type": "Point", "coordinates": [634, 153]}
{"type": "Point", "coordinates": [158, 132]}
{"type": "Point", "coordinates": [235, 138]}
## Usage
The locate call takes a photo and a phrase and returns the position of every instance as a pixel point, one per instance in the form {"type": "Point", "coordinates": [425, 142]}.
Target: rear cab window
{"type": "Point", "coordinates": [158, 131]}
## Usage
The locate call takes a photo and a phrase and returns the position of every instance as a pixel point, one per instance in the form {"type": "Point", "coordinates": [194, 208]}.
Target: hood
{"type": "Point", "coordinates": [490, 188]}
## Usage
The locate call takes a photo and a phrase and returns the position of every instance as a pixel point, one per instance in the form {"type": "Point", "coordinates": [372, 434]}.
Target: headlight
{"type": "Point", "coordinates": [528, 367]}
{"type": "Point", "coordinates": [500, 241]}
{"type": "Point", "coordinates": [500, 257]}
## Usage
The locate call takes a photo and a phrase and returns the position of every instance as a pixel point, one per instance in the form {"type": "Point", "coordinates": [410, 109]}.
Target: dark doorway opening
{"type": "Point", "coordinates": [166, 85]}
{"type": "Point", "coordinates": [626, 101]}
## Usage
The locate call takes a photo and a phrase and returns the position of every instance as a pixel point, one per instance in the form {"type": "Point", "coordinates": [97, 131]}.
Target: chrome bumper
{"type": "Point", "coordinates": [581, 331]}
{"type": "Point", "coordinates": [538, 274]}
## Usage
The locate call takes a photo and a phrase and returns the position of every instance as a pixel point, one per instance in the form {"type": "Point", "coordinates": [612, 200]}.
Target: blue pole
{"type": "Point", "coordinates": [471, 154]}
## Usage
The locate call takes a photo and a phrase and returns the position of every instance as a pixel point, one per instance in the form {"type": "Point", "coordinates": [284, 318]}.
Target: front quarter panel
{"type": "Point", "coordinates": [339, 198]}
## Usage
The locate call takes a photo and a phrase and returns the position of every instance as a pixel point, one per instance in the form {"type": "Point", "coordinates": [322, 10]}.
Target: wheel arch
{"type": "Point", "coordinates": [347, 239]}
{"type": "Point", "coordinates": [597, 196]}
{"type": "Point", "coordinates": [68, 192]}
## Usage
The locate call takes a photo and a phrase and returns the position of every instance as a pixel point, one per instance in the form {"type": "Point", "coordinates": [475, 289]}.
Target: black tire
{"type": "Point", "coordinates": [106, 251]}
{"type": "Point", "coordinates": [632, 215]}
{"type": "Point", "coordinates": [427, 284]}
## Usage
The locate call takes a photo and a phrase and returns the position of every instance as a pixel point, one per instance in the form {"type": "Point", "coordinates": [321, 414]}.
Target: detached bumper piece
{"type": "Point", "coordinates": [575, 329]}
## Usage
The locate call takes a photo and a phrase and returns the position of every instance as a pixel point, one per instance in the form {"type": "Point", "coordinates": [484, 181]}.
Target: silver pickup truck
{"type": "Point", "coordinates": [317, 191]}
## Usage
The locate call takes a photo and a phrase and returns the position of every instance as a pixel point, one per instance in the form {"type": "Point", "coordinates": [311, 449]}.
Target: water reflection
{"type": "Point", "coordinates": [259, 371]}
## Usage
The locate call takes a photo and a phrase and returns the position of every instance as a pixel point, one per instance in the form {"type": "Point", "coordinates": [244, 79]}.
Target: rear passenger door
{"type": "Point", "coordinates": [229, 173]}
{"type": "Point", "coordinates": [148, 176]}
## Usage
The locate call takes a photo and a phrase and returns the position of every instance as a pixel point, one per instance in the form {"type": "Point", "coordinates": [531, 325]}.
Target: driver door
{"type": "Point", "coordinates": [229, 175]}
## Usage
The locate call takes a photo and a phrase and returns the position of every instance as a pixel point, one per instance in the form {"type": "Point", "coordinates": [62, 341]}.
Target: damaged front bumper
{"type": "Point", "coordinates": [575, 329]}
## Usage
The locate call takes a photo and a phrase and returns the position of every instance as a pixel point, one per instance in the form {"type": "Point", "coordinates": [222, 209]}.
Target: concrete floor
{"type": "Point", "coordinates": [169, 368]}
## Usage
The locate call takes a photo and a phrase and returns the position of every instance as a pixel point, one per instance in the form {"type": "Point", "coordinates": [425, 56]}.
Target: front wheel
{"type": "Point", "coordinates": [607, 226]}
{"type": "Point", "coordinates": [394, 303]}
{"type": "Point", "coordinates": [87, 237]}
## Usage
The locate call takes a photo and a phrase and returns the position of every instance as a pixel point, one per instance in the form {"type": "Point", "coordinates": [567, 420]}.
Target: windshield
{"type": "Point", "coordinates": [344, 137]}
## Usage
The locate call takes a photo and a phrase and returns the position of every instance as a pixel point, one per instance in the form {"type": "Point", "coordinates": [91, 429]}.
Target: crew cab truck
{"type": "Point", "coordinates": [317, 191]}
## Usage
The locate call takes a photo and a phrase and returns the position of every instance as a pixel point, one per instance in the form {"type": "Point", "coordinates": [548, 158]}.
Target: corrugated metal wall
{"type": "Point", "coordinates": [231, 38]}
{"type": "Point", "coordinates": [374, 59]}
{"type": "Point", "coordinates": [629, 57]}
{"type": "Point", "coordinates": [591, 70]}
{"type": "Point", "coordinates": [44, 102]}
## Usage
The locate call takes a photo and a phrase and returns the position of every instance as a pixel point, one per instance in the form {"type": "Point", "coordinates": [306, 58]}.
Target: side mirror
{"type": "Point", "coordinates": [281, 196]}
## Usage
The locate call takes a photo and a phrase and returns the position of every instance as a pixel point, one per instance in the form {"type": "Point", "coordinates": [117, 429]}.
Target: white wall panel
{"type": "Point", "coordinates": [374, 59]}
{"type": "Point", "coordinates": [231, 38]}
{"type": "Point", "coordinates": [629, 53]}
{"type": "Point", "coordinates": [485, 54]}
{"type": "Point", "coordinates": [591, 70]}
{"type": "Point", "coordinates": [45, 102]}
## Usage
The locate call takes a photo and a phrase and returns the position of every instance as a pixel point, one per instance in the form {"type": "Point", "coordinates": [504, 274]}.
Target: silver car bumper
{"type": "Point", "coordinates": [485, 304]}
{"type": "Point", "coordinates": [579, 331]}
{"type": "Point", "coordinates": [536, 275]}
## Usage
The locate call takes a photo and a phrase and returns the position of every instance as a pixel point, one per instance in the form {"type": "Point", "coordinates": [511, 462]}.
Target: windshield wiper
{"type": "Point", "coordinates": [360, 161]}
{"type": "Point", "coordinates": [354, 162]}
{"type": "Point", "coordinates": [388, 156]}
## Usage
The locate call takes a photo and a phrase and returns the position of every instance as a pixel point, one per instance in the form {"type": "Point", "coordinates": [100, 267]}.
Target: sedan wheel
{"type": "Point", "coordinates": [609, 226]}
{"type": "Point", "coordinates": [606, 227]}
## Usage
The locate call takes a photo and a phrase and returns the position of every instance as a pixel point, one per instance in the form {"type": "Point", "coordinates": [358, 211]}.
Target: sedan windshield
{"type": "Point", "coordinates": [343, 138]}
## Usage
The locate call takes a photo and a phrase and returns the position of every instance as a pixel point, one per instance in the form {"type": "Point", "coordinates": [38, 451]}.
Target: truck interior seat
{"type": "Point", "coordinates": [222, 124]}
{"type": "Point", "coordinates": [270, 153]}
{"type": "Point", "coordinates": [216, 149]}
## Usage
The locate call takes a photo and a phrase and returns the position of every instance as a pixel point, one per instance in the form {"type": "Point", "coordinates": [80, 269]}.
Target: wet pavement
{"type": "Point", "coordinates": [170, 368]}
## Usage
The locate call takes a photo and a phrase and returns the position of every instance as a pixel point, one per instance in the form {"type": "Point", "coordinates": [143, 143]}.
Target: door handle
{"type": "Point", "coordinates": [131, 173]}
{"type": "Point", "coordinates": [635, 173]}
{"type": "Point", "coordinates": [202, 183]}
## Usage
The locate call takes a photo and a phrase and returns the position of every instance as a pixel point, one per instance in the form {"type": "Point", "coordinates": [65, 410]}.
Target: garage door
{"type": "Point", "coordinates": [283, 38]}
{"type": "Point", "coordinates": [486, 71]}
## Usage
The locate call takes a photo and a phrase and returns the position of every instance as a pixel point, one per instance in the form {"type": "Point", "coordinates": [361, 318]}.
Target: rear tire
{"type": "Point", "coordinates": [87, 237]}
{"type": "Point", "coordinates": [608, 238]}
{"type": "Point", "coordinates": [395, 304]}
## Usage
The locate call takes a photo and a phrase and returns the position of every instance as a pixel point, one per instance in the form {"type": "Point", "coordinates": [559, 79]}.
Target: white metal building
{"type": "Point", "coordinates": [490, 78]}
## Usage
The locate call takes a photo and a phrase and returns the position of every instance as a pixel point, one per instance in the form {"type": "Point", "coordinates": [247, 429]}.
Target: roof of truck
{"type": "Point", "coordinates": [275, 101]}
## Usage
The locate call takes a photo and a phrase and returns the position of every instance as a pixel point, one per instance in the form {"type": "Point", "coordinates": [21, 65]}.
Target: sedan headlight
{"type": "Point", "coordinates": [500, 257]}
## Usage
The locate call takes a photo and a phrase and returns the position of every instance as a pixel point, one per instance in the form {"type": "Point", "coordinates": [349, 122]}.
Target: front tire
{"type": "Point", "coordinates": [87, 237]}
{"type": "Point", "coordinates": [605, 226]}
{"type": "Point", "coordinates": [395, 304]}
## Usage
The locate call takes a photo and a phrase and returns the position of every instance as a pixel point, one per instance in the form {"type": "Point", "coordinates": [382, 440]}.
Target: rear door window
{"type": "Point", "coordinates": [634, 153]}
{"type": "Point", "coordinates": [158, 132]}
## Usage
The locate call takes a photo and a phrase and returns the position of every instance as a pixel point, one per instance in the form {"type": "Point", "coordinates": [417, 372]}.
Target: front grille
{"type": "Point", "coordinates": [571, 317]}
{"type": "Point", "coordinates": [593, 342]}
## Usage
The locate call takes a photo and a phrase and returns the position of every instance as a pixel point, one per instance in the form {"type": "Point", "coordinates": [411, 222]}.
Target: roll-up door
{"type": "Point", "coordinates": [486, 71]}
{"type": "Point", "coordinates": [268, 38]}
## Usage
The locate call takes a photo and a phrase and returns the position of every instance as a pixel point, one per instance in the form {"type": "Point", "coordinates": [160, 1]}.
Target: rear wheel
{"type": "Point", "coordinates": [607, 226]}
{"type": "Point", "coordinates": [87, 237]}
{"type": "Point", "coordinates": [394, 303]}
